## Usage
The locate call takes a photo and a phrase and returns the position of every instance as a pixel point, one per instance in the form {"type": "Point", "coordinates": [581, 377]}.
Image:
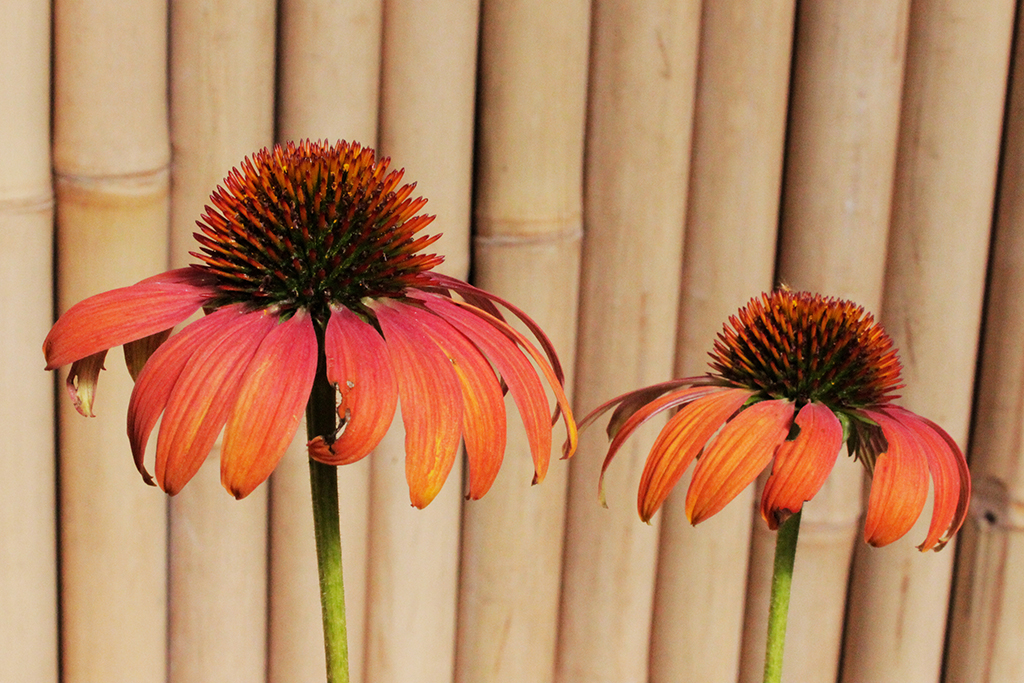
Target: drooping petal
{"type": "Point", "coordinates": [431, 398]}
{"type": "Point", "coordinates": [482, 304]}
{"type": "Point", "coordinates": [681, 439]}
{"type": "Point", "coordinates": [137, 352]}
{"type": "Point", "coordinates": [742, 449]}
{"type": "Point", "coordinates": [899, 485]}
{"type": "Point", "coordinates": [204, 396]}
{"type": "Point", "coordinates": [951, 479]}
{"type": "Point", "coordinates": [270, 404]}
{"type": "Point", "coordinates": [359, 366]}
{"type": "Point", "coordinates": [802, 465]}
{"type": "Point", "coordinates": [156, 381]}
{"type": "Point", "coordinates": [483, 409]}
{"type": "Point", "coordinates": [82, 380]}
{"type": "Point", "coordinates": [125, 314]}
{"type": "Point", "coordinates": [515, 368]}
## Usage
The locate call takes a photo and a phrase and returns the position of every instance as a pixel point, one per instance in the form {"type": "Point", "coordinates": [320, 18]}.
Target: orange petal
{"type": "Point", "coordinates": [950, 477]}
{"type": "Point", "coordinates": [204, 396]}
{"type": "Point", "coordinates": [680, 440]}
{"type": "Point", "coordinates": [744, 447]}
{"type": "Point", "coordinates": [802, 465]}
{"type": "Point", "coordinates": [157, 379]}
{"type": "Point", "coordinates": [82, 379]}
{"type": "Point", "coordinates": [482, 304]}
{"type": "Point", "coordinates": [270, 403]}
{"type": "Point", "coordinates": [515, 368]}
{"type": "Point", "coordinates": [431, 397]}
{"type": "Point", "coordinates": [123, 315]}
{"type": "Point", "coordinates": [359, 366]}
{"type": "Point", "coordinates": [899, 485]}
{"type": "Point", "coordinates": [483, 409]}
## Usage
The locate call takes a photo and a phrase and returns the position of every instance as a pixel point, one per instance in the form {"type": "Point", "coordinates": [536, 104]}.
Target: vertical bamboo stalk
{"type": "Point", "coordinates": [985, 627]}
{"type": "Point", "coordinates": [28, 578]}
{"type": "Point", "coordinates": [329, 73]}
{"type": "Point", "coordinates": [841, 153]}
{"type": "Point", "coordinates": [111, 157]}
{"type": "Point", "coordinates": [222, 104]}
{"type": "Point", "coordinates": [527, 211]}
{"type": "Point", "coordinates": [732, 214]}
{"type": "Point", "coordinates": [957, 57]}
{"type": "Point", "coordinates": [426, 126]}
{"type": "Point", "coordinates": [643, 70]}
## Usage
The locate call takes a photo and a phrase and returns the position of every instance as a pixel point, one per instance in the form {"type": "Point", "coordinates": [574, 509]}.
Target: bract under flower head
{"type": "Point", "coordinates": [310, 258]}
{"type": "Point", "coordinates": [795, 375]}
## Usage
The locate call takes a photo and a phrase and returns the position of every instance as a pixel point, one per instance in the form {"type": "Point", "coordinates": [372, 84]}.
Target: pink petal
{"type": "Point", "coordinates": [680, 440]}
{"type": "Point", "coordinates": [483, 415]}
{"type": "Point", "coordinates": [271, 401]}
{"type": "Point", "coordinates": [156, 381]}
{"type": "Point", "coordinates": [733, 460]}
{"type": "Point", "coordinates": [899, 485]}
{"type": "Point", "coordinates": [515, 368]}
{"type": "Point", "coordinates": [431, 397]}
{"type": "Point", "coordinates": [950, 476]}
{"type": "Point", "coordinates": [126, 314]}
{"type": "Point", "coordinates": [359, 366]}
{"type": "Point", "coordinates": [482, 305]}
{"type": "Point", "coordinates": [204, 395]}
{"type": "Point", "coordinates": [802, 465]}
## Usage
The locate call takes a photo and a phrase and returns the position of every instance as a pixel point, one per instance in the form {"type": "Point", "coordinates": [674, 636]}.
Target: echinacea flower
{"type": "Point", "coordinates": [310, 255]}
{"type": "Point", "coordinates": [794, 376]}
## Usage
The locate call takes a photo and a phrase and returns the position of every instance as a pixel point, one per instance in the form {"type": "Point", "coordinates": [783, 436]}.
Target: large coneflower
{"type": "Point", "coordinates": [794, 376]}
{"type": "Point", "coordinates": [312, 250]}
{"type": "Point", "coordinates": [318, 298]}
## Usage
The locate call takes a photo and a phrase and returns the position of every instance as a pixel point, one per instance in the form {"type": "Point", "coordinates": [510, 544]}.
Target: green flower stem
{"type": "Point", "coordinates": [778, 611]}
{"type": "Point", "coordinates": [320, 421]}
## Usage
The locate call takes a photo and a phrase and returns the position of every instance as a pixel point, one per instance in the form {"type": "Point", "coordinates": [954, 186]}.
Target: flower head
{"type": "Point", "coordinates": [311, 258]}
{"type": "Point", "coordinates": [794, 376]}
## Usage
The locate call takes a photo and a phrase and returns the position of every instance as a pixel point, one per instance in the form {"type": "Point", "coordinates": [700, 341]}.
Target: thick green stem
{"type": "Point", "coordinates": [778, 611]}
{"type": "Point", "coordinates": [320, 421]}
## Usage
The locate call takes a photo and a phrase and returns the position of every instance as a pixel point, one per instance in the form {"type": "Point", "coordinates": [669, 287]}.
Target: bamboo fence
{"type": "Point", "coordinates": [28, 545]}
{"type": "Point", "coordinates": [629, 174]}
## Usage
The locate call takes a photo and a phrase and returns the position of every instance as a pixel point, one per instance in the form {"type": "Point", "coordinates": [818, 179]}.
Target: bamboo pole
{"type": "Point", "coordinates": [28, 576]}
{"type": "Point", "coordinates": [841, 153]}
{"type": "Point", "coordinates": [643, 70]}
{"type": "Point", "coordinates": [942, 207]}
{"type": "Point", "coordinates": [426, 126]}
{"type": "Point", "coordinates": [985, 626]}
{"type": "Point", "coordinates": [329, 73]}
{"type": "Point", "coordinates": [111, 157]}
{"type": "Point", "coordinates": [732, 214]}
{"type": "Point", "coordinates": [222, 75]}
{"type": "Point", "coordinates": [527, 210]}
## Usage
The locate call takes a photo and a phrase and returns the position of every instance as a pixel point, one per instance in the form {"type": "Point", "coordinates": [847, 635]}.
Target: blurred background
{"type": "Point", "coordinates": [630, 173]}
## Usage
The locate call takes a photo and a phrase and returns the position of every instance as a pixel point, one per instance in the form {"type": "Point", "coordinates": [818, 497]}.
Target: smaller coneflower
{"type": "Point", "coordinates": [794, 376]}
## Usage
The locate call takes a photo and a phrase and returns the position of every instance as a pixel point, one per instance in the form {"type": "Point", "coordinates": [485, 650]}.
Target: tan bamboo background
{"type": "Point", "coordinates": [628, 172]}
